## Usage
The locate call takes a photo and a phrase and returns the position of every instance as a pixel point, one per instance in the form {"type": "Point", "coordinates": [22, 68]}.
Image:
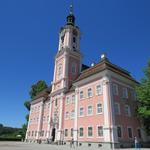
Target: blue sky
{"type": "Point", "coordinates": [29, 41]}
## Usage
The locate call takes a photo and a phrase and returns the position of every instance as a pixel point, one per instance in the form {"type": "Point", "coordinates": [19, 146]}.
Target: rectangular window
{"type": "Point", "coordinates": [90, 92]}
{"type": "Point", "coordinates": [90, 110]}
{"type": "Point", "coordinates": [72, 114]}
{"type": "Point", "coordinates": [130, 132]}
{"type": "Point", "coordinates": [100, 131]}
{"type": "Point", "coordinates": [119, 132]}
{"type": "Point", "coordinates": [81, 111]}
{"type": "Point", "coordinates": [81, 95]}
{"type": "Point", "coordinates": [117, 109]}
{"type": "Point", "coordinates": [139, 133]}
{"type": "Point", "coordinates": [81, 132]}
{"type": "Point", "coordinates": [115, 89]}
{"type": "Point", "coordinates": [90, 131]}
{"type": "Point", "coordinates": [124, 93]}
{"type": "Point", "coordinates": [67, 115]}
{"type": "Point", "coordinates": [73, 99]}
{"type": "Point", "coordinates": [66, 132]}
{"type": "Point", "coordinates": [71, 132]}
{"type": "Point", "coordinates": [99, 108]}
{"type": "Point", "coordinates": [67, 100]}
{"type": "Point", "coordinates": [98, 89]}
{"type": "Point", "coordinates": [127, 110]}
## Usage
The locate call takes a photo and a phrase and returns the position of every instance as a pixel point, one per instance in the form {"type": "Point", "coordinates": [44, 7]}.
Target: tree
{"type": "Point", "coordinates": [143, 95]}
{"type": "Point", "coordinates": [37, 88]}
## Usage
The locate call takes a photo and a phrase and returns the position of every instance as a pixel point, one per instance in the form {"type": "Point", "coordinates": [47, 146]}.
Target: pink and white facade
{"type": "Point", "coordinates": [94, 106]}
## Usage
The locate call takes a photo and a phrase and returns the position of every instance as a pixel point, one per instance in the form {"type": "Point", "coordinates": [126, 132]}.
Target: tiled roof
{"type": "Point", "coordinates": [103, 65]}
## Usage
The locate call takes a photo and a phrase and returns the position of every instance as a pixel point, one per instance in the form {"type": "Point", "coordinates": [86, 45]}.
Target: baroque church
{"type": "Point", "coordinates": [95, 106]}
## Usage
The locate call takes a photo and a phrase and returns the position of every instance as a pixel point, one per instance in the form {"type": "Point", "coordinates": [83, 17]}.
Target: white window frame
{"type": "Point", "coordinates": [72, 115]}
{"type": "Point", "coordinates": [79, 132]}
{"type": "Point", "coordinates": [124, 93]}
{"type": "Point", "coordinates": [73, 99]}
{"type": "Point", "coordinates": [82, 95]}
{"type": "Point", "coordinates": [128, 113]}
{"type": "Point", "coordinates": [66, 115]}
{"type": "Point", "coordinates": [88, 110]}
{"type": "Point", "coordinates": [99, 92]}
{"type": "Point", "coordinates": [118, 107]}
{"type": "Point", "coordinates": [91, 92]}
{"type": "Point", "coordinates": [65, 132]}
{"type": "Point", "coordinates": [97, 108]}
{"type": "Point", "coordinates": [115, 89]}
{"type": "Point", "coordinates": [121, 131]}
{"type": "Point", "coordinates": [131, 132]}
{"type": "Point", "coordinates": [80, 111]}
{"type": "Point", "coordinates": [88, 132]}
{"type": "Point", "coordinates": [102, 129]}
{"type": "Point", "coordinates": [67, 100]}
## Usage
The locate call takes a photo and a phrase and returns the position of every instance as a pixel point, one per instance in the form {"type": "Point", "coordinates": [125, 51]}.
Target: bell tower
{"type": "Point", "coordinates": [68, 57]}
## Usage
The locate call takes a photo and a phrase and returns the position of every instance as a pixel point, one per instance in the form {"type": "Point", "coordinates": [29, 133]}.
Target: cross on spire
{"type": "Point", "coordinates": [71, 9]}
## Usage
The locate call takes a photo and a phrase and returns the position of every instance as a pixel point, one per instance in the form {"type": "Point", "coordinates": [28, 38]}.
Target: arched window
{"type": "Point", "coordinates": [59, 71]}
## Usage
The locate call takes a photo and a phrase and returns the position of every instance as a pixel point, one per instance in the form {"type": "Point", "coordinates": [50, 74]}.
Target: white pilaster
{"type": "Point", "coordinates": [40, 119]}
{"type": "Point", "coordinates": [49, 119]}
{"type": "Point", "coordinates": [75, 131]}
{"type": "Point", "coordinates": [107, 136]}
{"type": "Point", "coordinates": [59, 131]}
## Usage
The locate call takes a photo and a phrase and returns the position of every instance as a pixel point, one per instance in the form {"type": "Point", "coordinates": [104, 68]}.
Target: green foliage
{"type": "Point", "coordinates": [143, 94]}
{"type": "Point", "coordinates": [9, 133]}
{"type": "Point", "coordinates": [27, 105]}
{"type": "Point", "coordinates": [37, 88]}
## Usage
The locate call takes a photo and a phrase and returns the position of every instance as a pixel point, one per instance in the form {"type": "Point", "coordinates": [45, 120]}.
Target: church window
{"type": "Point", "coordinates": [73, 68]}
{"type": "Point", "coordinates": [60, 70]}
{"type": "Point", "coordinates": [74, 39]}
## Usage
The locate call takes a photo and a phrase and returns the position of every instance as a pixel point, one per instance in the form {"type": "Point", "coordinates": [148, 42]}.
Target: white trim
{"type": "Point", "coordinates": [118, 105]}
{"type": "Point", "coordinates": [87, 110]}
{"type": "Point", "coordinates": [92, 132]}
{"type": "Point", "coordinates": [121, 131]}
{"type": "Point", "coordinates": [131, 132]}
{"type": "Point", "coordinates": [97, 131]}
{"type": "Point", "coordinates": [83, 132]}
{"type": "Point", "coordinates": [101, 85]}
{"type": "Point", "coordinates": [97, 107]}
{"type": "Point", "coordinates": [83, 112]}
{"type": "Point", "coordinates": [91, 92]}
{"type": "Point", "coordinates": [129, 110]}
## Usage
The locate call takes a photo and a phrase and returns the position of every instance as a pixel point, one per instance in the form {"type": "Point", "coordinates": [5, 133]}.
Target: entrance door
{"type": "Point", "coordinates": [53, 134]}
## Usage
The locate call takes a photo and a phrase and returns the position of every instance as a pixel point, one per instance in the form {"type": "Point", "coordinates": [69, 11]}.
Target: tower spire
{"type": "Point", "coordinates": [71, 9]}
{"type": "Point", "coordinates": [71, 17]}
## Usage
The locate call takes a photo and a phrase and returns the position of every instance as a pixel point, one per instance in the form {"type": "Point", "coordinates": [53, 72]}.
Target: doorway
{"type": "Point", "coordinates": [53, 134]}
